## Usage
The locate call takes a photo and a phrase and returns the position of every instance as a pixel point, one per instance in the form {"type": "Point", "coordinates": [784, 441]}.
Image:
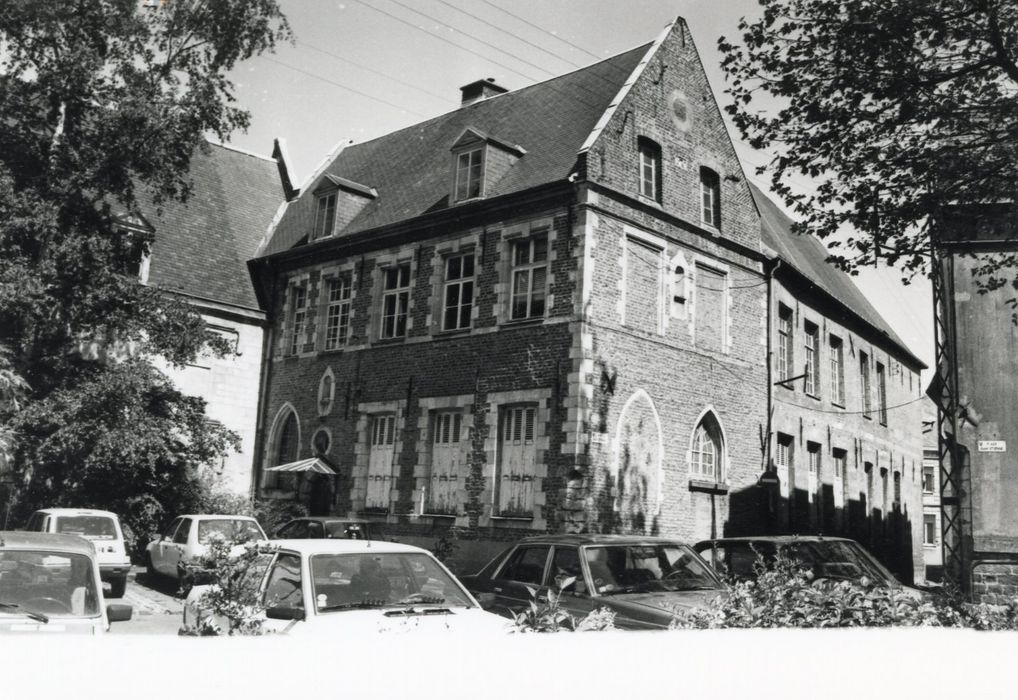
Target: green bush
{"type": "Point", "coordinates": [548, 616]}
{"type": "Point", "coordinates": [232, 602]}
{"type": "Point", "coordinates": [786, 595]}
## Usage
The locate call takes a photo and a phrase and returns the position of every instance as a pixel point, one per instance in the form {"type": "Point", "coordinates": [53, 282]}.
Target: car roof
{"type": "Point", "coordinates": [330, 519]}
{"type": "Point", "coordinates": [327, 546]}
{"type": "Point", "coordinates": [588, 539]}
{"type": "Point", "coordinates": [775, 539]}
{"type": "Point", "coordinates": [50, 541]}
{"type": "Point", "coordinates": [77, 511]}
{"type": "Point", "coordinates": [209, 516]}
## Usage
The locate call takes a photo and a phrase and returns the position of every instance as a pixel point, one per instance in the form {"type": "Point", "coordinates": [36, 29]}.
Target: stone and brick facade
{"type": "Point", "coordinates": [578, 343]}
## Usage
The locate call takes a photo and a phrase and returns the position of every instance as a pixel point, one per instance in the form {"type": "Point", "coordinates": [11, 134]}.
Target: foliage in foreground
{"type": "Point", "coordinates": [233, 575]}
{"type": "Point", "coordinates": [785, 595]}
{"type": "Point", "coordinates": [548, 615]}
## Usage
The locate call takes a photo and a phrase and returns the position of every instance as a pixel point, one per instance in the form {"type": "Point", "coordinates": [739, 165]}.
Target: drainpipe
{"type": "Point", "coordinates": [771, 499]}
{"type": "Point", "coordinates": [263, 388]}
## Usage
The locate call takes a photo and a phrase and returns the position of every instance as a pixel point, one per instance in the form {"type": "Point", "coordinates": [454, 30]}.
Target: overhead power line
{"type": "Point", "coordinates": [373, 70]}
{"type": "Point", "coordinates": [402, 108]}
{"type": "Point", "coordinates": [543, 30]}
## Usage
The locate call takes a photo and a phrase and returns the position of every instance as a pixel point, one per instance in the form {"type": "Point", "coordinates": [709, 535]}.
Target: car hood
{"type": "Point", "coordinates": [19, 624]}
{"type": "Point", "coordinates": [655, 609]}
{"type": "Point", "coordinates": [457, 620]}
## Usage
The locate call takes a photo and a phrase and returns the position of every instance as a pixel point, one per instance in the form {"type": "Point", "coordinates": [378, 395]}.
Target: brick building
{"type": "Point", "coordinates": [199, 252]}
{"type": "Point", "coordinates": [547, 310]}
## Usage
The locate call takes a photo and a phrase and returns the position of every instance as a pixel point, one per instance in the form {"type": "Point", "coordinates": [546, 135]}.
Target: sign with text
{"type": "Point", "coordinates": [992, 446]}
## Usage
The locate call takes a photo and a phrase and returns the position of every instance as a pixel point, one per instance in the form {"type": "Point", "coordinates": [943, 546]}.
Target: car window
{"type": "Point", "coordinates": [342, 530]}
{"type": "Point", "coordinates": [283, 587]}
{"type": "Point", "coordinates": [93, 527]}
{"type": "Point", "coordinates": [233, 530]}
{"type": "Point", "coordinates": [565, 564]}
{"type": "Point", "coordinates": [33, 522]}
{"type": "Point", "coordinates": [293, 530]}
{"type": "Point", "coordinates": [52, 583]}
{"type": "Point", "coordinates": [738, 559]}
{"type": "Point", "coordinates": [651, 567]}
{"type": "Point", "coordinates": [526, 565]}
{"type": "Point", "coordinates": [171, 528]}
{"type": "Point", "coordinates": [183, 531]}
{"type": "Point", "coordinates": [368, 580]}
{"type": "Point", "coordinates": [315, 530]}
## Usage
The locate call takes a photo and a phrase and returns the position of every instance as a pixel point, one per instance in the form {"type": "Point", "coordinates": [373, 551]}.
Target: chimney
{"type": "Point", "coordinates": [479, 90]}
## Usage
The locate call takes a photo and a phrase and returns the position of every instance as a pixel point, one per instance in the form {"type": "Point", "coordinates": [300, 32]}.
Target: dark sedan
{"type": "Point", "coordinates": [643, 580]}
{"type": "Point", "coordinates": [825, 557]}
{"type": "Point", "coordinates": [324, 527]}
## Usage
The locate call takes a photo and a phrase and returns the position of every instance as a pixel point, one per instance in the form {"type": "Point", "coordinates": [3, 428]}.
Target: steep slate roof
{"type": "Point", "coordinates": [808, 255]}
{"type": "Point", "coordinates": [412, 168]}
{"type": "Point", "coordinates": [202, 246]}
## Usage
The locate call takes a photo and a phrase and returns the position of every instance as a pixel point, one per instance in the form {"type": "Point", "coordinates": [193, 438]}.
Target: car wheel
{"type": "Point", "coordinates": [117, 587]}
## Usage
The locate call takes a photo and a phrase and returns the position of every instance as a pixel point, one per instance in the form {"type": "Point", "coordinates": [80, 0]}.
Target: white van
{"type": "Point", "coordinates": [102, 528]}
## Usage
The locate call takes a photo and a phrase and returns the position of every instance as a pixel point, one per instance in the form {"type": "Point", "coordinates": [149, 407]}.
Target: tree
{"type": "Point", "coordinates": [103, 104]}
{"type": "Point", "coordinates": [898, 109]}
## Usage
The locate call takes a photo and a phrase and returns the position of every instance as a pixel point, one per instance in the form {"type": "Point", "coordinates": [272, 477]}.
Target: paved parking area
{"type": "Point", "coordinates": [156, 611]}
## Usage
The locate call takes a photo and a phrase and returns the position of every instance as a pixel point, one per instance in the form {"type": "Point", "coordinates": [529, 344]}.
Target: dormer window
{"type": "Point", "coordinates": [325, 215]}
{"type": "Point", "coordinates": [479, 161]}
{"type": "Point", "coordinates": [469, 174]}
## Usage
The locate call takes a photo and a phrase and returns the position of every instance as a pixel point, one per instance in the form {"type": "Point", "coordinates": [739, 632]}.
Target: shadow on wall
{"type": "Point", "coordinates": [757, 510]}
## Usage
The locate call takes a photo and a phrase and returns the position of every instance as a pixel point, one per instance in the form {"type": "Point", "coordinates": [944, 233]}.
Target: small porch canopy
{"type": "Point", "coordinates": [314, 465]}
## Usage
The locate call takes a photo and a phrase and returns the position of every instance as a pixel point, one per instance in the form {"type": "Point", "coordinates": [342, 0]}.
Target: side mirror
{"type": "Point", "coordinates": [119, 612]}
{"type": "Point", "coordinates": [284, 612]}
{"type": "Point", "coordinates": [485, 599]}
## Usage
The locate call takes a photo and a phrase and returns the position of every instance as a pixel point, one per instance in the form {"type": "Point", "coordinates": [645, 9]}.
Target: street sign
{"type": "Point", "coordinates": [992, 446]}
{"type": "Point", "coordinates": [769, 478]}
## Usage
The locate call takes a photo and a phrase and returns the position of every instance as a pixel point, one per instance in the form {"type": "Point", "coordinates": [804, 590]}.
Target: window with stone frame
{"type": "Point", "coordinates": [337, 311]}
{"type": "Point", "coordinates": [458, 292]}
{"type": "Point", "coordinates": [882, 393]}
{"type": "Point", "coordinates": [395, 301]}
{"type": "Point", "coordinates": [710, 198]}
{"type": "Point", "coordinates": [529, 276]}
{"type": "Point", "coordinates": [469, 174]}
{"type": "Point", "coordinates": [298, 318]}
{"type": "Point", "coordinates": [839, 458]}
{"type": "Point", "coordinates": [642, 285]}
{"type": "Point", "coordinates": [813, 469]}
{"type": "Point", "coordinates": [707, 453]}
{"type": "Point", "coordinates": [516, 474]}
{"type": "Point", "coordinates": [929, 479]}
{"type": "Point", "coordinates": [650, 169]}
{"type": "Point", "coordinates": [785, 351]}
{"type": "Point", "coordinates": [812, 350]}
{"type": "Point", "coordinates": [448, 462]}
{"type": "Point", "coordinates": [864, 379]}
{"type": "Point", "coordinates": [837, 371]}
{"type": "Point", "coordinates": [711, 307]}
{"type": "Point", "coordinates": [783, 460]}
{"type": "Point", "coordinates": [930, 530]}
{"type": "Point", "coordinates": [381, 444]}
{"type": "Point", "coordinates": [286, 450]}
{"type": "Point", "coordinates": [325, 215]}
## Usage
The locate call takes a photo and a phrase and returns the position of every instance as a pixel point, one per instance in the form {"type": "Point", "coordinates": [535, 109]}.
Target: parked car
{"type": "Point", "coordinates": [102, 528]}
{"type": "Point", "coordinates": [324, 527]}
{"type": "Point", "coordinates": [50, 583]}
{"type": "Point", "coordinates": [826, 557]}
{"type": "Point", "coordinates": [187, 537]}
{"type": "Point", "coordinates": [643, 580]}
{"type": "Point", "coordinates": [353, 587]}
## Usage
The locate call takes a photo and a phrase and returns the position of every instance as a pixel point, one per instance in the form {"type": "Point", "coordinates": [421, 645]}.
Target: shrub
{"type": "Point", "coordinates": [445, 546]}
{"type": "Point", "coordinates": [272, 513]}
{"type": "Point", "coordinates": [548, 616]}
{"type": "Point", "coordinates": [232, 602]}
{"type": "Point", "coordinates": [786, 595]}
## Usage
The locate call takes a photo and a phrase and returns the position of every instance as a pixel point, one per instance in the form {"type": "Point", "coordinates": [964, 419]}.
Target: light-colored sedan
{"type": "Point", "coordinates": [50, 583]}
{"type": "Point", "coordinates": [186, 540]}
{"type": "Point", "coordinates": [339, 586]}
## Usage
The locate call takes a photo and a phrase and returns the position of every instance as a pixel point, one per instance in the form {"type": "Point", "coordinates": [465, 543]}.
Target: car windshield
{"type": "Point", "coordinates": [47, 583]}
{"type": "Point", "coordinates": [645, 568]}
{"type": "Point", "coordinates": [231, 530]}
{"type": "Point", "coordinates": [383, 580]}
{"type": "Point", "coordinates": [342, 530]}
{"type": "Point", "coordinates": [93, 527]}
{"type": "Point", "coordinates": [839, 559]}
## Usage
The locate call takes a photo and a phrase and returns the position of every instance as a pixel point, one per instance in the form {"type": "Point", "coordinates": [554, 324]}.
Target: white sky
{"type": "Point", "coordinates": [363, 68]}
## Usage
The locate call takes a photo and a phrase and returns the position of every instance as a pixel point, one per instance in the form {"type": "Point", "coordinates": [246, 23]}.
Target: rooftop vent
{"type": "Point", "coordinates": [479, 90]}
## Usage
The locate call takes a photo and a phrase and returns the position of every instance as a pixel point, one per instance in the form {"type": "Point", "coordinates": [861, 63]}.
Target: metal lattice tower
{"type": "Point", "coordinates": [955, 506]}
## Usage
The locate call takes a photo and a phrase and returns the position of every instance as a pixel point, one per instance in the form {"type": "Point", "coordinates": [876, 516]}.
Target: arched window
{"type": "Point", "coordinates": [284, 448]}
{"type": "Point", "coordinates": [707, 454]}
